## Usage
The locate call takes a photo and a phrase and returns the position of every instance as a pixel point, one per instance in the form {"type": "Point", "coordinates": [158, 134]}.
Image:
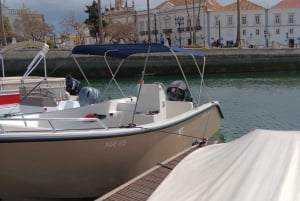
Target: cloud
{"type": "Point", "coordinates": [56, 10]}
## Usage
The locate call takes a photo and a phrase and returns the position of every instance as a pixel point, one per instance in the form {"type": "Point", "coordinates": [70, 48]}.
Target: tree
{"type": "Point", "coordinates": [101, 38]}
{"type": "Point", "coordinates": [3, 36]}
{"type": "Point", "coordinates": [238, 34]}
{"type": "Point", "coordinates": [72, 24]}
{"type": "Point", "coordinates": [31, 25]}
{"type": "Point", "coordinates": [193, 21]}
{"type": "Point", "coordinates": [92, 21]}
{"type": "Point", "coordinates": [8, 30]}
{"type": "Point", "coordinates": [118, 30]}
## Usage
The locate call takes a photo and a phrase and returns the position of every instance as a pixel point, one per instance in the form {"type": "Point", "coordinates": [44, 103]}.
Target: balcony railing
{"type": "Point", "coordinates": [180, 29]}
{"type": "Point", "coordinates": [167, 31]}
{"type": "Point", "coordinates": [142, 33]}
{"type": "Point", "coordinates": [198, 28]}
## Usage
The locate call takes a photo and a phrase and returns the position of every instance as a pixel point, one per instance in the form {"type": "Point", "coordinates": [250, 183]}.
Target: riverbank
{"type": "Point", "coordinates": [218, 60]}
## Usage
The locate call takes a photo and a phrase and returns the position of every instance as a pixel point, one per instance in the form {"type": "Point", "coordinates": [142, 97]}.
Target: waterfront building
{"type": "Point", "coordinates": [206, 22]}
{"type": "Point", "coordinates": [180, 24]}
{"type": "Point", "coordinates": [121, 22]}
{"type": "Point", "coordinates": [16, 14]}
{"type": "Point", "coordinates": [252, 24]}
{"type": "Point", "coordinates": [284, 24]}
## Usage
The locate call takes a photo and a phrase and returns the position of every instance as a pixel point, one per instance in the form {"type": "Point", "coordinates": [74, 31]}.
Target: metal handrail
{"type": "Point", "coordinates": [51, 120]}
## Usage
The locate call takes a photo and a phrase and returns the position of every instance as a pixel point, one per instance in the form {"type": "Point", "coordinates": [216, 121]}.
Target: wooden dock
{"type": "Point", "coordinates": [141, 187]}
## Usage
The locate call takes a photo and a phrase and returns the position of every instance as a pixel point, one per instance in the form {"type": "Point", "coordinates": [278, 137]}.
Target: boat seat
{"type": "Point", "coordinates": [152, 99]}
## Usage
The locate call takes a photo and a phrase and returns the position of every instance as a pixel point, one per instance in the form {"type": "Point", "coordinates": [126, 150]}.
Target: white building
{"type": "Point", "coordinates": [284, 24]}
{"type": "Point", "coordinates": [278, 26]}
{"type": "Point", "coordinates": [121, 22]}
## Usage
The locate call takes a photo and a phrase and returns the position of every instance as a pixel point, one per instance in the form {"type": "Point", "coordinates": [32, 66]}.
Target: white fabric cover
{"type": "Point", "coordinates": [263, 165]}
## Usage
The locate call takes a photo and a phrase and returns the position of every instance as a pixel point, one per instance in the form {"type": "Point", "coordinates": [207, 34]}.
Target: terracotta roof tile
{"type": "Point", "coordinates": [244, 5]}
{"type": "Point", "coordinates": [287, 4]}
{"type": "Point", "coordinates": [211, 4]}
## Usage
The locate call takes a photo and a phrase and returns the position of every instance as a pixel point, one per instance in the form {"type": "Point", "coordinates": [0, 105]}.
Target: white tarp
{"type": "Point", "coordinates": [260, 166]}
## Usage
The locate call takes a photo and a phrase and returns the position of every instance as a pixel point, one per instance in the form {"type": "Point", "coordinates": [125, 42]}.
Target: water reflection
{"type": "Point", "coordinates": [266, 101]}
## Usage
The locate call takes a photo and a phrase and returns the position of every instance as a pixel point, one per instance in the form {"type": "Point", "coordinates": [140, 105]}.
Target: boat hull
{"type": "Point", "coordinates": [90, 167]}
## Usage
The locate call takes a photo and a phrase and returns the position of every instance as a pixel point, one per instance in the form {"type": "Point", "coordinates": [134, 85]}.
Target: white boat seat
{"type": "Point", "coordinates": [152, 99]}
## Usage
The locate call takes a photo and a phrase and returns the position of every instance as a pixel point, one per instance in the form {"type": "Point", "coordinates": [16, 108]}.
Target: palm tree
{"type": "Point", "coordinates": [100, 23]}
{"type": "Point", "coordinates": [148, 14]}
{"type": "Point", "coordinates": [238, 34]}
{"type": "Point", "coordinates": [2, 26]}
{"type": "Point", "coordinates": [189, 21]}
{"type": "Point", "coordinates": [193, 20]}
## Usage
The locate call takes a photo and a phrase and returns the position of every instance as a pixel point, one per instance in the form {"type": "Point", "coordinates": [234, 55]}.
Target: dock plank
{"type": "Point", "coordinates": [141, 187]}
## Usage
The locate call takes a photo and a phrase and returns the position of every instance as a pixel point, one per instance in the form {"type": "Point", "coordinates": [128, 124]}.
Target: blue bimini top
{"type": "Point", "coordinates": [126, 50]}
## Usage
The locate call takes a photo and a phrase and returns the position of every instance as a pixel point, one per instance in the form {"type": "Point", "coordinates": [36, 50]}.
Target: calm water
{"type": "Point", "coordinates": [248, 101]}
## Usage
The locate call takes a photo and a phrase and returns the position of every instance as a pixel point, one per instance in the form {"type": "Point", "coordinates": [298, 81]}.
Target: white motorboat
{"type": "Point", "coordinates": [87, 151]}
{"type": "Point", "coordinates": [30, 94]}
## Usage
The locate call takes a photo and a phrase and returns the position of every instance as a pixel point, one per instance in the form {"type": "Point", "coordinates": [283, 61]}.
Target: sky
{"type": "Point", "coordinates": [56, 10]}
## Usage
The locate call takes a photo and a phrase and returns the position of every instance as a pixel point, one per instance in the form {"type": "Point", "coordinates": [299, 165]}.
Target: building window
{"type": "Point", "coordinates": [244, 20]}
{"type": "Point", "coordinates": [257, 32]}
{"type": "Point", "coordinates": [244, 32]}
{"type": "Point", "coordinates": [217, 19]}
{"type": "Point", "coordinates": [257, 19]}
{"type": "Point", "coordinates": [142, 26]}
{"type": "Point", "coordinates": [291, 31]}
{"type": "Point", "coordinates": [291, 19]}
{"type": "Point", "coordinates": [277, 31]}
{"type": "Point", "coordinates": [277, 19]}
{"type": "Point", "coordinates": [229, 20]}
{"type": "Point", "coordinates": [189, 25]}
{"type": "Point", "coordinates": [189, 22]}
{"type": "Point", "coordinates": [167, 23]}
{"type": "Point", "coordinates": [198, 24]}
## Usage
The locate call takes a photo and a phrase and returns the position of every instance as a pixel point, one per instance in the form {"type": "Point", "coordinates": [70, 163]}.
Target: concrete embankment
{"type": "Point", "coordinates": [60, 62]}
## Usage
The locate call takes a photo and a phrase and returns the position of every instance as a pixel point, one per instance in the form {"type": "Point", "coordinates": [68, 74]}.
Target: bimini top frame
{"type": "Point", "coordinates": [122, 51]}
{"type": "Point", "coordinates": [36, 60]}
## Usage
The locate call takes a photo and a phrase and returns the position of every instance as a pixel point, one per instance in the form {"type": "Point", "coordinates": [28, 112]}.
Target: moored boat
{"type": "Point", "coordinates": [87, 151]}
{"type": "Point", "coordinates": [30, 94]}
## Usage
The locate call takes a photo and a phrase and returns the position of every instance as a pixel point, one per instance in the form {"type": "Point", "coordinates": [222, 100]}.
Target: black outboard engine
{"type": "Point", "coordinates": [178, 91]}
{"type": "Point", "coordinates": [73, 86]}
{"type": "Point", "coordinates": [88, 96]}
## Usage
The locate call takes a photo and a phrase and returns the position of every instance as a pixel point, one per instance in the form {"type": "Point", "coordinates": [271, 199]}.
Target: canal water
{"type": "Point", "coordinates": [248, 101]}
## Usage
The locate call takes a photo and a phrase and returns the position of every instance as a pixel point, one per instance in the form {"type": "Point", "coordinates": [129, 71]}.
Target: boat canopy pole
{"type": "Point", "coordinates": [2, 64]}
{"type": "Point", "coordinates": [79, 67]}
{"type": "Point", "coordinates": [202, 81]}
{"type": "Point", "coordinates": [141, 83]}
{"type": "Point", "coordinates": [202, 85]}
{"type": "Point", "coordinates": [182, 72]}
{"type": "Point", "coordinates": [113, 75]}
{"type": "Point", "coordinates": [45, 66]}
{"type": "Point", "coordinates": [37, 59]}
{"type": "Point", "coordinates": [34, 63]}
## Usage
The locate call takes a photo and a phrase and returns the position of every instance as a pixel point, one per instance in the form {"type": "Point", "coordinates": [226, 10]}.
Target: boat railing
{"type": "Point", "coordinates": [31, 124]}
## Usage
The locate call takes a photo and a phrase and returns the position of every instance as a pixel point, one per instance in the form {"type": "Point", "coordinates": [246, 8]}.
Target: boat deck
{"type": "Point", "coordinates": [141, 187]}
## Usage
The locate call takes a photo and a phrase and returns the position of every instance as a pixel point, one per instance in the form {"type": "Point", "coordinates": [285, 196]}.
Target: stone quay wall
{"type": "Point", "coordinates": [218, 60]}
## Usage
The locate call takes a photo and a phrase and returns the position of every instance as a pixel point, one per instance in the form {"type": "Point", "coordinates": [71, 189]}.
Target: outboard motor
{"type": "Point", "coordinates": [88, 96]}
{"type": "Point", "coordinates": [178, 91]}
{"type": "Point", "coordinates": [73, 86]}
